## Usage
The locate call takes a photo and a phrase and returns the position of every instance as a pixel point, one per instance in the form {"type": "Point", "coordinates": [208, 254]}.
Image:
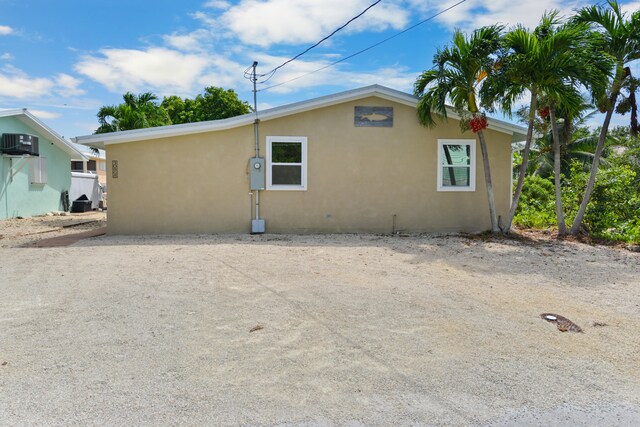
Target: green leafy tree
{"type": "Point", "coordinates": [457, 74]}
{"type": "Point", "coordinates": [214, 104]}
{"type": "Point", "coordinates": [621, 36]}
{"type": "Point", "coordinates": [136, 112]}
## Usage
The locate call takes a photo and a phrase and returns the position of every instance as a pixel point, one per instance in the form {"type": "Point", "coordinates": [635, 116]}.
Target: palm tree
{"type": "Point", "coordinates": [137, 112]}
{"type": "Point", "coordinates": [622, 43]}
{"type": "Point", "coordinates": [563, 147]}
{"type": "Point", "coordinates": [457, 75]}
{"type": "Point", "coordinates": [628, 102]}
{"type": "Point", "coordinates": [577, 143]}
{"type": "Point", "coordinates": [545, 63]}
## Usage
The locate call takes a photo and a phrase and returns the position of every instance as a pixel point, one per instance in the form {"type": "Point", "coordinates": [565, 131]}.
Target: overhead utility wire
{"type": "Point", "coordinates": [272, 72]}
{"type": "Point", "coordinates": [366, 48]}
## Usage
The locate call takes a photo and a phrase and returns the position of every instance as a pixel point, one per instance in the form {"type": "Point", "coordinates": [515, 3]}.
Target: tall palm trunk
{"type": "Point", "coordinates": [577, 222]}
{"type": "Point", "coordinates": [523, 166]}
{"type": "Point", "coordinates": [489, 183]}
{"type": "Point", "coordinates": [634, 113]}
{"type": "Point", "coordinates": [562, 228]}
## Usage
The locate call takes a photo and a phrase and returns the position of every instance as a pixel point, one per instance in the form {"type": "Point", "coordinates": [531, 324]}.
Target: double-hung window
{"type": "Point", "coordinates": [287, 163]}
{"type": "Point", "coordinates": [456, 165]}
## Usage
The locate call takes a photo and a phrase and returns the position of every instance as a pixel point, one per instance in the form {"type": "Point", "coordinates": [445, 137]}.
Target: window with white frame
{"type": "Point", "coordinates": [456, 165]}
{"type": "Point", "coordinates": [287, 163]}
{"type": "Point", "coordinates": [38, 170]}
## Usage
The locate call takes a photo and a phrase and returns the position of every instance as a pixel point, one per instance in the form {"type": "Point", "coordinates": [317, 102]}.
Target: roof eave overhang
{"type": "Point", "coordinates": [32, 121]}
{"type": "Point", "coordinates": [102, 140]}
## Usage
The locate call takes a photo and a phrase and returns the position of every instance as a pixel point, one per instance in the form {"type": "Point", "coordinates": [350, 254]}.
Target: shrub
{"type": "Point", "coordinates": [537, 204]}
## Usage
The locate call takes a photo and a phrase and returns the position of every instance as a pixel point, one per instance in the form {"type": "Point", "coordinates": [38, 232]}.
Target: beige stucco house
{"type": "Point", "coordinates": [356, 161]}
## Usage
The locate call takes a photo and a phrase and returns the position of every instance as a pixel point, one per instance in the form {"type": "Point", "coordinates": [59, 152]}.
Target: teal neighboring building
{"type": "Point", "coordinates": [35, 165]}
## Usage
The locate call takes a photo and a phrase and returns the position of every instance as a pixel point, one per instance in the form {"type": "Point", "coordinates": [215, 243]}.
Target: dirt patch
{"type": "Point", "coordinates": [28, 231]}
{"type": "Point", "coordinates": [356, 330]}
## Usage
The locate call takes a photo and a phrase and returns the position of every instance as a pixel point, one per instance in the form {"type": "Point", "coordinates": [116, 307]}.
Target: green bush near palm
{"type": "Point", "coordinates": [613, 212]}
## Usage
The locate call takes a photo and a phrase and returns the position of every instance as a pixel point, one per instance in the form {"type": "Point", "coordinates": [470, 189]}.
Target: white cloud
{"type": "Point", "coordinates": [268, 22]}
{"type": "Point", "coordinates": [68, 85]}
{"type": "Point", "coordinates": [14, 83]}
{"type": "Point", "coordinates": [45, 115]}
{"type": "Point", "coordinates": [477, 13]}
{"type": "Point", "coordinates": [631, 7]}
{"type": "Point", "coordinates": [153, 69]}
{"type": "Point", "coordinates": [6, 56]}
{"type": "Point", "coordinates": [5, 30]}
{"type": "Point", "coordinates": [187, 42]}
{"type": "Point", "coordinates": [296, 76]}
{"type": "Point", "coordinates": [217, 4]}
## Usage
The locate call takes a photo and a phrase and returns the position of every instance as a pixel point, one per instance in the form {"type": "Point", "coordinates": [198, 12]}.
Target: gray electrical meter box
{"type": "Point", "coordinates": [256, 173]}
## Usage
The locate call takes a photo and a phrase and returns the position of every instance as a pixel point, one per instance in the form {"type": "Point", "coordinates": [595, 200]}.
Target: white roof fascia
{"type": "Point", "coordinates": [100, 140]}
{"type": "Point", "coordinates": [29, 119]}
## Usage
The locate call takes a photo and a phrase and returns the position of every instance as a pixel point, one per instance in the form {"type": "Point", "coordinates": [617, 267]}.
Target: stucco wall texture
{"type": "Point", "coordinates": [18, 196]}
{"type": "Point", "coordinates": [359, 178]}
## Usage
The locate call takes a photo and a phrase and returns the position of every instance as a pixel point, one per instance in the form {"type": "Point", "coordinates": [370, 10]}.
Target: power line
{"type": "Point", "coordinates": [365, 49]}
{"type": "Point", "coordinates": [273, 71]}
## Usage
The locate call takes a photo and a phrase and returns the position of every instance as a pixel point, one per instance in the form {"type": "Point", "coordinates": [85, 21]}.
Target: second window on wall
{"type": "Point", "coordinates": [286, 163]}
{"type": "Point", "coordinates": [456, 165]}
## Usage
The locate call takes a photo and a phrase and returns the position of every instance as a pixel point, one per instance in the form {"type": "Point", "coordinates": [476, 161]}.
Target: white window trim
{"type": "Point", "coordinates": [299, 139]}
{"type": "Point", "coordinates": [472, 166]}
{"type": "Point", "coordinates": [38, 174]}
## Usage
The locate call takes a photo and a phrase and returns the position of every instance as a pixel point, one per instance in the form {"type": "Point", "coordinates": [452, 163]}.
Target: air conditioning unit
{"type": "Point", "coordinates": [19, 144]}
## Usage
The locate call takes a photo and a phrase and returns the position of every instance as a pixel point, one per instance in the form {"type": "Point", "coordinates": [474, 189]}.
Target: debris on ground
{"type": "Point", "coordinates": [599, 324]}
{"type": "Point", "coordinates": [563, 324]}
{"type": "Point", "coordinates": [256, 328]}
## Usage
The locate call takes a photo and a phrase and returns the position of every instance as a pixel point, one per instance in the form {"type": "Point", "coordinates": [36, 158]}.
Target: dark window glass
{"type": "Point", "coordinates": [91, 165]}
{"type": "Point", "coordinates": [286, 152]}
{"type": "Point", "coordinates": [77, 166]}
{"type": "Point", "coordinates": [286, 175]}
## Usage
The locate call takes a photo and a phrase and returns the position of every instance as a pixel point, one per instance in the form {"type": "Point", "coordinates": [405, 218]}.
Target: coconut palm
{"type": "Point", "coordinates": [621, 36]}
{"type": "Point", "coordinates": [546, 63]}
{"type": "Point", "coordinates": [457, 75]}
{"type": "Point", "coordinates": [137, 112]}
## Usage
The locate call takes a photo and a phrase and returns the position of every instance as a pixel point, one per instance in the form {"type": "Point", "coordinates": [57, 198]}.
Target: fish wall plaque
{"type": "Point", "coordinates": [373, 117]}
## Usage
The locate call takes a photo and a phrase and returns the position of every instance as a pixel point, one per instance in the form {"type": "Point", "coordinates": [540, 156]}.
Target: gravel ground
{"type": "Point", "coordinates": [26, 231]}
{"type": "Point", "coordinates": [356, 330]}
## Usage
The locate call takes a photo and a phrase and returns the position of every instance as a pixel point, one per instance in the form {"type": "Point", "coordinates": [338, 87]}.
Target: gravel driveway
{"type": "Point", "coordinates": [347, 330]}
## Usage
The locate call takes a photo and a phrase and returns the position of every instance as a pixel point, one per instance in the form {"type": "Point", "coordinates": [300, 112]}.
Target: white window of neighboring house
{"type": "Point", "coordinates": [456, 165]}
{"type": "Point", "coordinates": [102, 165]}
{"type": "Point", "coordinates": [38, 170]}
{"type": "Point", "coordinates": [287, 163]}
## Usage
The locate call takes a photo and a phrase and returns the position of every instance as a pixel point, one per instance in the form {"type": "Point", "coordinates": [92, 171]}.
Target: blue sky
{"type": "Point", "coordinates": [64, 59]}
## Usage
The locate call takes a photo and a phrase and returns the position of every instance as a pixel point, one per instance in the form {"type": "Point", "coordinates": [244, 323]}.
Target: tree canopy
{"type": "Point", "coordinates": [136, 112]}
{"type": "Point", "coordinates": [143, 111]}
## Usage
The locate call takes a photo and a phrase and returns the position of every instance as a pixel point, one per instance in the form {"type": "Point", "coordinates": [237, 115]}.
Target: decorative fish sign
{"type": "Point", "coordinates": [373, 116]}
